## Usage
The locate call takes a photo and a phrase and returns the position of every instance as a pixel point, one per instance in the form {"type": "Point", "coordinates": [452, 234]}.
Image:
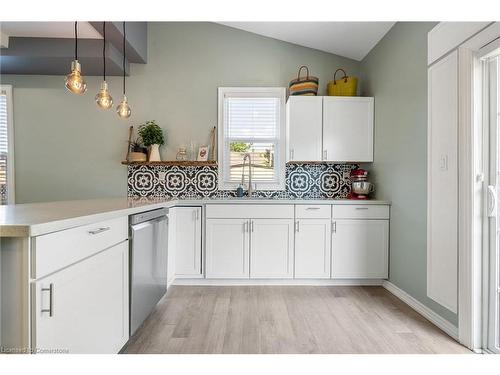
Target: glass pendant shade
{"type": "Point", "coordinates": [74, 81]}
{"type": "Point", "coordinates": [103, 99]}
{"type": "Point", "coordinates": [123, 109]}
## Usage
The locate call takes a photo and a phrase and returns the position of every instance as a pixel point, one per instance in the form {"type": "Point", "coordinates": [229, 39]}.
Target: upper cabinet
{"type": "Point", "coordinates": [305, 127]}
{"type": "Point", "coordinates": [330, 128]}
{"type": "Point", "coordinates": [347, 128]}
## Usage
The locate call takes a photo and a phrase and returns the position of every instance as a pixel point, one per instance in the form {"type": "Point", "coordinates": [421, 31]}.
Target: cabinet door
{"type": "Point", "coordinates": [442, 180]}
{"type": "Point", "coordinates": [84, 307]}
{"type": "Point", "coordinates": [187, 241]}
{"type": "Point", "coordinates": [227, 249]}
{"type": "Point", "coordinates": [271, 248]}
{"type": "Point", "coordinates": [347, 128]}
{"type": "Point", "coordinates": [312, 248]}
{"type": "Point", "coordinates": [305, 128]}
{"type": "Point", "coordinates": [360, 249]}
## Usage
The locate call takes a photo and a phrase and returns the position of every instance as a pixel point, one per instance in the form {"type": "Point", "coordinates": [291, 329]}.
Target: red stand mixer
{"type": "Point", "coordinates": [360, 187]}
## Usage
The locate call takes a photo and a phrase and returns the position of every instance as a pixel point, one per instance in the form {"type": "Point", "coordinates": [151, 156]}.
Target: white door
{"type": "Point", "coordinates": [312, 248]}
{"type": "Point", "coordinates": [348, 128]}
{"type": "Point", "coordinates": [442, 171]}
{"type": "Point", "coordinates": [271, 248]}
{"type": "Point", "coordinates": [360, 249]}
{"type": "Point", "coordinates": [187, 241]}
{"type": "Point", "coordinates": [305, 127]}
{"type": "Point", "coordinates": [84, 308]}
{"type": "Point", "coordinates": [227, 249]}
{"type": "Point", "coordinates": [492, 66]}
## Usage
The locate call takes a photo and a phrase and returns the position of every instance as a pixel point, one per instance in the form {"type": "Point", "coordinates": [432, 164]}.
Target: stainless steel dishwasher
{"type": "Point", "coordinates": [148, 263]}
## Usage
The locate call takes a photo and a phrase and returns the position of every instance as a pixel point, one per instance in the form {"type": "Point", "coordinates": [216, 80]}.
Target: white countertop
{"type": "Point", "coordinates": [34, 219]}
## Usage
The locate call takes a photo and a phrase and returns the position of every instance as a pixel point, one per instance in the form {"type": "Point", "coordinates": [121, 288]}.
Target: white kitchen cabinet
{"type": "Point", "coordinates": [312, 248]}
{"type": "Point", "coordinates": [304, 127]}
{"type": "Point", "coordinates": [348, 129]}
{"type": "Point", "coordinates": [84, 308]}
{"type": "Point", "coordinates": [271, 248]}
{"type": "Point", "coordinates": [360, 249]}
{"type": "Point", "coordinates": [227, 248]}
{"type": "Point", "coordinates": [442, 180]}
{"type": "Point", "coordinates": [187, 241]}
{"type": "Point", "coordinates": [171, 247]}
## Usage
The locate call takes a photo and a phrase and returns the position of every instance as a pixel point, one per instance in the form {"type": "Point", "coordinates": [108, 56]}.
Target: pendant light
{"type": "Point", "coordinates": [74, 81]}
{"type": "Point", "coordinates": [103, 99]}
{"type": "Point", "coordinates": [123, 108]}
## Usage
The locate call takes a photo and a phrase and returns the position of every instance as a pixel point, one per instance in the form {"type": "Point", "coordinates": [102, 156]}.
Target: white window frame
{"type": "Point", "coordinates": [7, 89]}
{"type": "Point", "coordinates": [280, 152]}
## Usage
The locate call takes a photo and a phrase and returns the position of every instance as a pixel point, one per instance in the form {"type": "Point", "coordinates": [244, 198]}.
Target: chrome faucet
{"type": "Point", "coordinates": [249, 157]}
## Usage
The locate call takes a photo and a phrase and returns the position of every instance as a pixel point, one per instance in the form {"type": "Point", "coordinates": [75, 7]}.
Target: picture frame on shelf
{"type": "Point", "coordinates": [202, 153]}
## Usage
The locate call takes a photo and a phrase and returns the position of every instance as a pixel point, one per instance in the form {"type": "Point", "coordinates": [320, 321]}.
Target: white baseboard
{"type": "Point", "coordinates": [423, 310]}
{"type": "Point", "coordinates": [316, 282]}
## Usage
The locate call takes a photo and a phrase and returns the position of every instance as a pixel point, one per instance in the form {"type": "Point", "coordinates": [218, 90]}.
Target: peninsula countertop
{"type": "Point", "coordinates": [35, 219]}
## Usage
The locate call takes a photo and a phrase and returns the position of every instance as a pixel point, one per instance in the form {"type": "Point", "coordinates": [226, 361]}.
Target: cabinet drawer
{"type": "Point", "coordinates": [254, 211]}
{"type": "Point", "coordinates": [57, 250]}
{"type": "Point", "coordinates": [360, 211]}
{"type": "Point", "coordinates": [313, 211]}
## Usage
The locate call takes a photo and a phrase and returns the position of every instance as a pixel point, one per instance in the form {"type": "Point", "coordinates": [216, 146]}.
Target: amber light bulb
{"type": "Point", "coordinates": [103, 99]}
{"type": "Point", "coordinates": [123, 109]}
{"type": "Point", "coordinates": [74, 81]}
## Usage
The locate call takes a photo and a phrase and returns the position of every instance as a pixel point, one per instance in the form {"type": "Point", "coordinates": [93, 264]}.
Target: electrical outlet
{"type": "Point", "coordinates": [162, 175]}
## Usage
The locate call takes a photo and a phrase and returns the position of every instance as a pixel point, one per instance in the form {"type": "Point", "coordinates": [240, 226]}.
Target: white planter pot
{"type": "Point", "coordinates": [154, 153]}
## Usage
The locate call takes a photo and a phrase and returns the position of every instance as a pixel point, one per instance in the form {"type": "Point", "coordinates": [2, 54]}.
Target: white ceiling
{"type": "Point", "coordinates": [349, 39]}
{"type": "Point", "coordinates": [49, 30]}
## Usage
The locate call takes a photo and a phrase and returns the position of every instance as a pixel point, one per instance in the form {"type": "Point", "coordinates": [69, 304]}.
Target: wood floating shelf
{"type": "Point", "coordinates": [181, 163]}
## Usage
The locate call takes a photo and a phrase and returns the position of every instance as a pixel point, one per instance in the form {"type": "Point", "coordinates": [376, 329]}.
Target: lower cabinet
{"type": "Point", "coordinates": [271, 248]}
{"type": "Point", "coordinates": [227, 249]}
{"type": "Point", "coordinates": [243, 248]}
{"type": "Point", "coordinates": [360, 249]}
{"type": "Point", "coordinates": [312, 248]}
{"type": "Point", "coordinates": [84, 308]}
{"type": "Point", "coordinates": [187, 241]}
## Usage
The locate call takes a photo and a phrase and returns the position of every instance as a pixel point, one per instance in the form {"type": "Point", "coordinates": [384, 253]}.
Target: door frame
{"type": "Point", "coordinates": [472, 141]}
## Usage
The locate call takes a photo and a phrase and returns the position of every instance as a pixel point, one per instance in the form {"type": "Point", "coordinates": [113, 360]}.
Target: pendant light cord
{"type": "Point", "coordinates": [123, 58]}
{"type": "Point", "coordinates": [104, 49]}
{"type": "Point", "coordinates": [76, 40]}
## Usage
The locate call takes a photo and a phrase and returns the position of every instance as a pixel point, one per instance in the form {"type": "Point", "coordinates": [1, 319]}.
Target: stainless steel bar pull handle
{"type": "Point", "coordinates": [334, 227]}
{"type": "Point", "coordinates": [99, 230]}
{"type": "Point", "coordinates": [325, 154]}
{"type": "Point", "coordinates": [50, 289]}
{"type": "Point", "coordinates": [291, 154]}
{"type": "Point", "coordinates": [297, 227]}
{"type": "Point", "coordinates": [251, 226]}
{"type": "Point", "coordinates": [197, 214]}
{"type": "Point", "coordinates": [361, 208]}
{"type": "Point", "coordinates": [312, 208]}
{"type": "Point", "coordinates": [245, 226]}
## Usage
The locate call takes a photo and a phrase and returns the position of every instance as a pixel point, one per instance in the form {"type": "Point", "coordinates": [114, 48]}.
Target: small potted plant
{"type": "Point", "coordinates": [137, 151]}
{"type": "Point", "coordinates": [152, 137]}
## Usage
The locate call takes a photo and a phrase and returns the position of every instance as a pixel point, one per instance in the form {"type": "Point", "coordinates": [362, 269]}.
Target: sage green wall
{"type": "Point", "coordinates": [65, 148]}
{"type": "Point", "coordinates": [395, 72]}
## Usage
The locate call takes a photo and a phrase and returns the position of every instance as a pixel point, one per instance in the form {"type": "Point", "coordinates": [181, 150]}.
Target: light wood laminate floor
{"type": "Point", "coordinates": [287, 319]}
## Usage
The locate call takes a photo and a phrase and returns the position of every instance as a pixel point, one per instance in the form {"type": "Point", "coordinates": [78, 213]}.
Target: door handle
{"type": "Point", "coordinates": [291, 154]}
{"type": "Point", "coordinates": [334, 227]}
{"type": "Point", "coordinates": [50, 310]}
{"type": "Point", "coordinates": [99, 230]}
{"type": "Point", "coordinates": [312, 208]}
{"type": "Point", "coordinates": [297, 227]}
{"type": "Point", "coordinates": [325, 154]}
{"type": "Point", "coordinates": [492, 201]}
{"type": "Point", "coordinates": [251, 226]}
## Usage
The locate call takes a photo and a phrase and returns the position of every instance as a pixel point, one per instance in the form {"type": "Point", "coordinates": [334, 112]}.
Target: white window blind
{"type": "Point", "coordinates": [251, 122]}
{"type": "Point", "coordinates": [6, 146]}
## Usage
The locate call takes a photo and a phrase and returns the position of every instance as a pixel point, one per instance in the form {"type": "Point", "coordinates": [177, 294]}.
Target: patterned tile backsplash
{"type": "Point", "coordinates": [305, 181]}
